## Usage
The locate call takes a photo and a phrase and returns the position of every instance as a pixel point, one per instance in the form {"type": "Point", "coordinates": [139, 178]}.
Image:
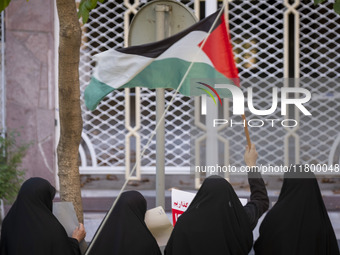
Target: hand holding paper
{"type": "Point", "coordinates": [79, 233]}
{"type": "Point", "coordinates": [159, 225]}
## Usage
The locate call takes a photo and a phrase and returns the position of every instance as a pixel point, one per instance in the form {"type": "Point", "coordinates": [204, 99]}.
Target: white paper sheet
{"type": "Point", "coordinates": [159, 225]}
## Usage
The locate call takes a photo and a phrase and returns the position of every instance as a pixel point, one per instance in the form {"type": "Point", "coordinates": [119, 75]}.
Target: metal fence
{"type": "Point", "coordinates": [272, 39]}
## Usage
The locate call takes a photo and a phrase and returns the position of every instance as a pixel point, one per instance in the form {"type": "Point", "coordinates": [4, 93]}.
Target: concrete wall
{"type": "Point", "coordinates": [31, 82]}
{"type": "Point", "coordinates": [1, 103]}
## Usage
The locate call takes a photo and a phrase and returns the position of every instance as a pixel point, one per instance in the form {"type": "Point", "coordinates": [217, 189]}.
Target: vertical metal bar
{"type": "Point", "coordinates": [291, 132]}
{"type": "Point", "coordinates": [160, 101]}
{"type": "Point", "coordinates": [132, 132]}
{"type": "Point", "coordinates": [204, 104]}
{"type": "Point", "coordinates": [286, 73]}
{"type": "Point", "coordinates": [297, 77]}
{"type": "Point", "coordinates": [160, 150]}
{"type": "Point", "coordinates": [197, 8]}
{"type": "Point", "coordinates": [212, 140]}
{"type": "Point", "coordinates": [210, 7]}
{"type": "Point", "coordinates": [226, 100]}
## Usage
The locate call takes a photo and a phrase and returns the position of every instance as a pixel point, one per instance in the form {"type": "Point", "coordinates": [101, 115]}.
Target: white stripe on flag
{"type": "Point", "coordinates": [115, 68]}
{"type": "Point", "coordinates": [187, 49]}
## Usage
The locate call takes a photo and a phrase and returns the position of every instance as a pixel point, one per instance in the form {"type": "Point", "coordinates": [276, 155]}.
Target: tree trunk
{"type": "Point", "coordinates": [69, 104]}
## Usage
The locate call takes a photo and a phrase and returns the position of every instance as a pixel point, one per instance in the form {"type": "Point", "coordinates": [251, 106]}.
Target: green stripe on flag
{"type": "Point", "coordinates": [95, 92]}
{"type": "Point", "coordinates": [165, 73]}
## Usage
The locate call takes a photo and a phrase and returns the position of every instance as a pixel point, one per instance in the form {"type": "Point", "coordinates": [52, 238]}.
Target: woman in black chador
{"type": "Point", "coordinates": [31, 228]}
{"type": "Point", "coordinates": [216, 222]}
{"type": "Point", "coordinates": [125, 232]}
{"type": "Point", "coordinates": [298, 224]}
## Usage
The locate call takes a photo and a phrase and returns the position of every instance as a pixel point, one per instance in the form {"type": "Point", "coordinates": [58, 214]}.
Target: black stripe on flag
{"type": "Point", "coordinates": [153, 50]}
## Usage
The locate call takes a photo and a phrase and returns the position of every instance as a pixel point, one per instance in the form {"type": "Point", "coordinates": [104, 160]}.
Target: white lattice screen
{"type": "Point", "coordinates": [272, 39]}
{"type": "Point", "coordinates": [256, 29]}
{"type": "Point", "coordinates": [320, 61]}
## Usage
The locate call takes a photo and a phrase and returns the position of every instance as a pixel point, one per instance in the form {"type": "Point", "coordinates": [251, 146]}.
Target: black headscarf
{"type": "Point", "coordinates": [215, 223]}
{"type": "Point", "coordinates": [125, 231]}
{"type": "Point", "coordinates": [31, 228]}
{"type": "Point", "coordinates": [298, 223]}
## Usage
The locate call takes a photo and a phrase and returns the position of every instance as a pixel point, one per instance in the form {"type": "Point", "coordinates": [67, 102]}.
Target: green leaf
{"type": "Point", "coordinates": [85, 7]}
{"type": "Point", "coordinates": [336, 6]}
{"type": "Point", "coordinates": [85, 16]}
{"type": "Point", "coordinates": [318, 2]}
{"type": "Point", "coordinates": [4, 4]}
{"type": "Point", "coordinates": [91, 4]}
{"type": "Point", "coordinates": [11, 174]}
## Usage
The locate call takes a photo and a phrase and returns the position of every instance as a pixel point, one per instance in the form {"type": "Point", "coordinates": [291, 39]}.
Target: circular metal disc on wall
{"type": "Point", "coordinates": [143, 26]}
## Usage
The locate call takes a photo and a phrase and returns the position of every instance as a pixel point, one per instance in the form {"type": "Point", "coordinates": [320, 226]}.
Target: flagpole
{"type": "Point", "coordinates": [246, 131]}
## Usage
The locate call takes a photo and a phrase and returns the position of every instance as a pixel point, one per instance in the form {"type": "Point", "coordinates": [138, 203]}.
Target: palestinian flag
{"type": "Point", "coordinates": [164, 63]}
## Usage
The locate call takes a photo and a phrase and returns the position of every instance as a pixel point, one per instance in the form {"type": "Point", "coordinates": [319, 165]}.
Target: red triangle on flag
{"type": "Point", "coordinates": [219, 50]}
